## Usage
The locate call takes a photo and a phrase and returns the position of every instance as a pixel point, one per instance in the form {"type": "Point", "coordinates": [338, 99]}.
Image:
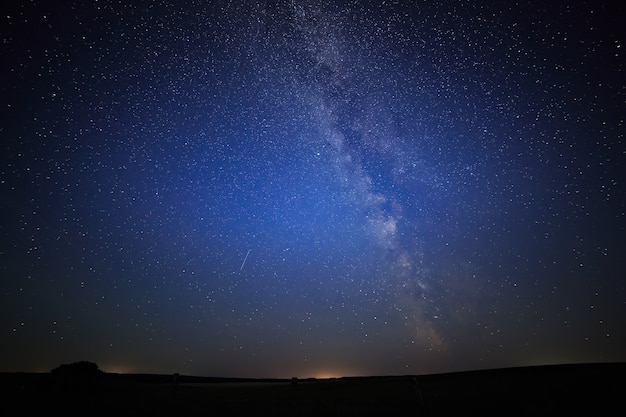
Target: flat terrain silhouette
{"type": "Point", "coordinates": [590, 389]}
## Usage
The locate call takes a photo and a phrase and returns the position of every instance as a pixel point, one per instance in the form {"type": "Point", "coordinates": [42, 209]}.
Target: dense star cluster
{"type": "Point", "coordinates": [312, 188]}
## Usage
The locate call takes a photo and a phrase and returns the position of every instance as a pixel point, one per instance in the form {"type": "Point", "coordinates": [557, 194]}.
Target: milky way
{"type": "Point", "coordinates": [312, 188]}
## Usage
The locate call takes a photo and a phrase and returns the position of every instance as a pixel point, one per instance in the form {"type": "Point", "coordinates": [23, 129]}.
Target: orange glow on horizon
{"type": "Point", "coordinates": [332, 373]}
{"type": "Point", "coordinates": [117, 369]}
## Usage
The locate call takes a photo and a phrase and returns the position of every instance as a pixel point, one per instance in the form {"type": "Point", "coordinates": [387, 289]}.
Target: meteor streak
{"type": "Point", "coordinates": [244, 260]}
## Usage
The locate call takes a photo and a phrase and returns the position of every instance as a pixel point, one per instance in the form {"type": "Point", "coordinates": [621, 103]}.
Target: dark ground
{"type": "Point", "coordinates": [584, 389]}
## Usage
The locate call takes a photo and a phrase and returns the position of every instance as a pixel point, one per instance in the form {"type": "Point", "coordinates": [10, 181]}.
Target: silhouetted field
{"type": "Point", "coordinates": [585, 389]}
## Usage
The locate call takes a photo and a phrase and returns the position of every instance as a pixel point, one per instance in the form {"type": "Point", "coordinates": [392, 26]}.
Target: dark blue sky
{"type": "Point", "coordinates": [311, 188]}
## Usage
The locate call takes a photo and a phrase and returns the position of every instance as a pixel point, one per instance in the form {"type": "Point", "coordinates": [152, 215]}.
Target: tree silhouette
{"type": "Point", "coordinates": [77, 377]}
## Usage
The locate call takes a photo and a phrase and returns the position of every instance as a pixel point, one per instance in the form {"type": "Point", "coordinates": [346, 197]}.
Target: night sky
{"type": "Point", "coordinates": [312, 188]}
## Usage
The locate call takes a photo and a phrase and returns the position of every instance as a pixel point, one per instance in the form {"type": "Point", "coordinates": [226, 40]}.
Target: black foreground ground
{"type": "Point", "coordinates": [582, 389]}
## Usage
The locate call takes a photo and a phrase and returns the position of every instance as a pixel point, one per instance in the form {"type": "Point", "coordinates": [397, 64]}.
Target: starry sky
{"type": "Point", "coordinates": [312, 188]}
